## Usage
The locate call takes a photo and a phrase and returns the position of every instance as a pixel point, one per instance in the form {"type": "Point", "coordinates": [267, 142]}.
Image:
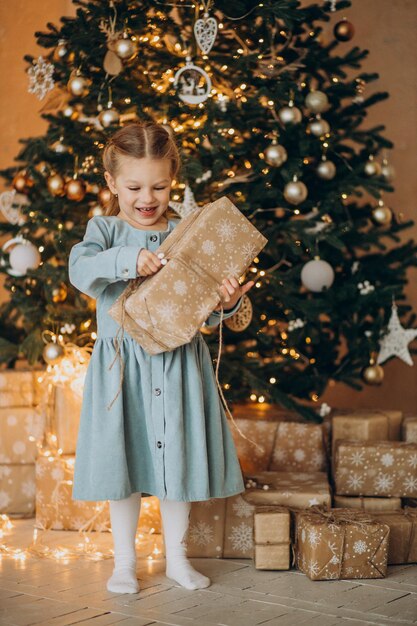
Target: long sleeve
{"type": "Point", "coordinates": [214, 317]}
{"type": "Point", "coordinates": [93, 263]}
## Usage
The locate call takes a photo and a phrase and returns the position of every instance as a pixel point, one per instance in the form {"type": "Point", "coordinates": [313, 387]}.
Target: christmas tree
{"type": "Point", "coordinates": [264, 110]}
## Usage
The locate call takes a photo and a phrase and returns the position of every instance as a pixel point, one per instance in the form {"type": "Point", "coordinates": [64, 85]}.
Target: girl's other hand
{"type": "Point", "coordinates": [231, 291]}
{"type": "Point", "coordinates": [149, 263]}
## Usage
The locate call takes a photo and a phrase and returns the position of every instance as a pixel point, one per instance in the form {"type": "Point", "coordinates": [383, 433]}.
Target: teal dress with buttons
{"type": "Point", "coordinates": [167, 433]}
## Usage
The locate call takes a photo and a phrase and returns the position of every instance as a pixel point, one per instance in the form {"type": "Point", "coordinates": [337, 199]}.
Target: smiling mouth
{"type": "Point", "coordinates": [144, 210]}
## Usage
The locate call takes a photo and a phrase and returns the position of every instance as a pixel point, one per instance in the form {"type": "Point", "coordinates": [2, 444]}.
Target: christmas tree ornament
{"type": "Point", "coordinates": [395, 342]}
{"type": "Point", "coordinates": [192, 83]}
{"type": "Point", "coordinates": [75, 189]}
{"type": "Point", "coordinates": [53, 353]}
{"type": "Point", "coordinates": [78, 85]}
{"type": "Point", "coordinates": [62, 52]}
{"type": "Point", "coordinates": [125, 48]}
{"type": "Point", "coordinates": [372, 167]}
{"type": "Point", "coordinates": [290, 114]}
{"type": "Point", "coordinates": [317, 275]}
{"type": "Point", "coordinates": [344, 30]}
{"type": "Point", "coordinates": [326, 169]}
{"type": "Point", "coordinates": [112, 64]}
{"type": "Point", "coordinates": [41, 78]}
{"type": "Point", "coordinates": [387, 171]}
{"type": "Point", "coordinates": [382, 214]}
{"type": "Point", "coordinates": [104, 196]}
{"type": "Point", "coordinates": [59, 294]}
{"type": "Point", "coordinates": [22, 182]}
{"type": "Point", "coordinates": [373, 374]}
{"type": "Point", "coordinates": [109, 117]}
{"type": "Point", "coordinates": [23, 256]}
{"type": "Point", "coordinates": [275, 154]}
{"type": "Point", "coordinates": [205, 30]}
{"type": "Point", "coordinates": [59, 147]}
{"type": "Point", "coordinates": [11, 205]}
{"type": "Point", "coordinates": [240, 320]}
{"type": "Point", "coordinates": [222, 101]}
{"type": "Point", "coordinates": [70, 112]}
{"type": "Point", "coordinates": [318, 127]}
{"type": "Point", "coordinates": [56, 185]}
{"type": "Point", "coordinates": [187, 206]}
{"type": "Point", "coordinates": [317, 101]}
{"type": "Point", "coordinates": [295, 191]}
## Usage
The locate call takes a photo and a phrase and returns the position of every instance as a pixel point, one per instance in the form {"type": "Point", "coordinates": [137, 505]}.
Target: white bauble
{"type": "Point", "coordinates": [317, 275]}
{"type": "Point", "coordinates": [317, 101]}
{"type": "Point", "coordinates": [326, 169]}
{"type": "Point", "coordinates": [23, 257]}
{"type": "Point", "coordinates": [290, 115]}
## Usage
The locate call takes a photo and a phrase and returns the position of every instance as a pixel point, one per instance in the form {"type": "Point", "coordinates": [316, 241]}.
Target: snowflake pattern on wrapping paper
{"type": "Point", "coordinates": [4, 499]}
{"type": "Point", "coordinates": [387, 459]}
{"type": "Point", "coordinates": [412, 461]}
{"type": "Point", "coordinates": [226, 230]}
{"type": "Point", "coordinates": [241, 537]}
{"type": "Point", "coordinates": [41, 78]}
{"type": "Point", "coordinates": [314, 537]}
{"type": "Point", "coordinates": [58, 474]}
{"type": "Point", "coordinates": [232, 270]}
{"type": "Point", "coordinates": [242, 508]}
{"type": "Point", "coordinates": [355, 481]}
{"type": "Point", "coordinates": [303, 535]}
{"type": "Point", "coordinates": [280, 454]}
{"type": "Point", "coordinates": [300, 429]}
{"type": "Point", "coordinates": [5, 471]}
{"type": "Point", "coordinates": [180, 287]}
{"type": "Point", "coordinates": [317, 461]}
{"type": "Point", "coordinates": [410, 484]}
{"type": "Point", "coordinates": [204, 310]}
{"type": "Point", "coordinates": [299, 455]}
{"type": "Point", "coordinates": [167, 310]}
{"type": "Point", "coordinates": [360, 546]}
{"type": "Point", "coordinates": [208, 247]}
{"type": "Point", "coordinates": [29, 488]}
{"type": "Point", "coordinates": [201, 533]}
{"type": "Point", "coordinates": [313, 568]}
{"type": "Point", "coordinates": [357, 458]}
{"type": "Point", "coordinates": [249, 250]}
{"type": "Point", "coordinates": [207, 504]}
{"type": "Point", "coordinates": [383, 482]}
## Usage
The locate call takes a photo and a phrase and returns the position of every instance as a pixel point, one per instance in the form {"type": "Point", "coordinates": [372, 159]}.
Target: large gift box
{"type": "Point", "coordinates": [21, 387]}
{"type": "Point", "coordinates": [272, 537]}
{"type": "Point", "coordinates": [366, 425]}
{"type": "Point", "coordinates": [341, 544]}
{"type": "Point", "coordinates": [67, 412]}
{"type": "Point", "coordinates": [375, 468]}
{"type": "Point", "coordinates": [262, 432]}
{"type": "Point", "coordinates": [296, 490]}
{"type": "Point", "coordinates": [409, 429]}
{"type": "Point", "coordinates": [403, 534]}
{"type": "Point", "coordinates": [165, 310]}
{"type": "Point", "coordinates": [299, 447]}
{"type": "Point", "coordinates": [367, 504]}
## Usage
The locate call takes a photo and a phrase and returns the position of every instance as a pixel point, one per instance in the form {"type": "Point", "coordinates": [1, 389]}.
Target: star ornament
{"type": "Point", "coordinates": [395, 342]}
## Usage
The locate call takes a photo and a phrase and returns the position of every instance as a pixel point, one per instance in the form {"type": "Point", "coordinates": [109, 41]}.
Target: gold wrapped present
{"type": "Point", "coordinates": [299, 447]}
{"type": "Point", "coordinates": [341, 544]}
{"type": "Point", "coordinates": [264, 433]}
{"type": "Point", "coordinates": [67, 412]}
{"type": "Point", "coordinates": [366, 425]}
{"type": "Point", "coordinates": [409, 429]}
{"type": "Point", "coordinates": [375, 468]}
{"type": "Point", "coordinates": [293, 489]}
{"type": "Point", "coordinates": [17, 489]}
{"type": "Point", "coordinates": [272, 526]}
{"type": "Point", "coordinates": [56, 509]}
{"type": "Point", "coordinates": [403, 534]}
{"type": "Point", "coordinates": [165, 310]}
{"type": "Point", "coordinates": [367, 504]}
{"type": "Point", "coordinates": [17, 388]}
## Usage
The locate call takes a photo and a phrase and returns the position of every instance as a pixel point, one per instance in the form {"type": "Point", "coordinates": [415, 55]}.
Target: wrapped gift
{"type": "Point", "coordinates": [299, 448]}
{"type": "Point", "coordinates": [263, 432]}
{"type": "Point", "coordinates": [56, 509]}
{"type": "Point", "coordinates": [272, 537]}
{"type": "Point", "coordinates": [208, 245]}
{"type": "Point", "coordinates": [366, 425]}
{"type": "Point", "coordinates": [295, 490]}
{"type": "Point", "coordinates": [367, 504]}
{"type": "Point", "coordinates": [403, 534]}
{"type": "Point", "coordinates": [341, 544]}
{"type": "Point", "coordinates": [205, 533]}
{"type": "Point", "coordinates": [17, 489]}
{"type": "Point", "coordinates": [375, 468]}
{"type": "Point", "coordinates": [409, 429]}
{"type": "Point", "coordinates": [17, 388]}
{"type": "Point", "coordinates": [67, 412]}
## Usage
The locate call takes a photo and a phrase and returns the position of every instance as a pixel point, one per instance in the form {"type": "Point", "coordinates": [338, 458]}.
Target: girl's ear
{"type": "Point", "coordinates": [110, 182]}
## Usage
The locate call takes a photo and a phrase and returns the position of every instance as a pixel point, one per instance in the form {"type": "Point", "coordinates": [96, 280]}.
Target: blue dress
{"type": "Point", "coordinates": [167, 433]}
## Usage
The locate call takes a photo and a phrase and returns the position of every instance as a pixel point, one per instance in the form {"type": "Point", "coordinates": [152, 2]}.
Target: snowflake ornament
{"type": "Point", "coordinates": [395, 342]}
{"type": "Point", "coordinates": [324, 409]}
{"type": "Point", "coordinates": [187, 206]}
{"type": "Point", "coordinates": [297, 323]}
{"type": "Point", "coordinates": [365, 288]}
{"type": "Point", "coordinates": [41, 78]}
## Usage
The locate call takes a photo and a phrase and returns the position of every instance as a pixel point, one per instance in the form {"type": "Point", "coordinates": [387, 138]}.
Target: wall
{"type": "Point", "coordinates": [385, 27]}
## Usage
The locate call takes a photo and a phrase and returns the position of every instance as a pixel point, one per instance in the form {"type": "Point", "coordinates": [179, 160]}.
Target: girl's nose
{"type": "Point", "coordinates": [146, 196]}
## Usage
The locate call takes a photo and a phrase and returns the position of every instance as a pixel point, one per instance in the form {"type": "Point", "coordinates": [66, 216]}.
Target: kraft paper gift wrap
{"type": "Point", "coordinates": [165, 310]}
{"type": "Point", "coordinates": [409, 430]}
{"type": "Point", "coordinates": [17, 388]}
{"type": "Point", "coordinates": [17, 489]}
{"type": "Point", "coordinates": [341, 544]}
{"type": "Point", "coordinates": [367, 424]}
{"type": "Point", "coordinates": [299, 448]}
{"type": "Point", "coordinates": [272, 535]}
{"type": "Point", "coordinates": [367, 504]}
{"type": "Point", "coordinates": [403, 535]}
{"type": "Point", "coordinates": [67, 412]}
{"type": "Point", "coordinates": [296, 490]}
{"type": "Point", "coordinates": [252, 459]}
{"type": "Point", "coordinates": [375, 468]}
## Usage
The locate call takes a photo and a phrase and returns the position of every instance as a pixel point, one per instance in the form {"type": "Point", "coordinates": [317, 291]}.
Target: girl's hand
{"type": "Point", "coordinates": [231, 291]}
{"type": "Point", "coordinates": [149, 263]}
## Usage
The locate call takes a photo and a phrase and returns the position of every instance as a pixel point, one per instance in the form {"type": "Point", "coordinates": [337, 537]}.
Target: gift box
{"type": "Point", "coordinates": [380, 468]}
{"type": "Point", "coordinates": [55, 508]}
{"type": "Point", "coordinates": [205, 533]}
{"type": "Point", "coordinates": [341, 544]}
{"type": "Point", "coordinates": [299, 447]}
{"type": "Point", "coordinates": [67, 410]}
{"type": "Point", "coordinates": [264, 433]}
{"type": "Point", "coordinates": [17, 489]}
{"type": "Point", "coordinates": [367, 504]}
{"type": "Point", "coordinates": [165, 310]}
{"type": "Point", "coordinates": [17, 388]}
{"type": "Point", "coordinates": [366, 425]}
{"type": "Point", "coordinates": [272, 537]}
{"type": "Point", "coordinates": [403, 534]}
{"type": "Point", "coordinates": [409, 429]}
{"type": "Point", "coordinates": [291, 489]}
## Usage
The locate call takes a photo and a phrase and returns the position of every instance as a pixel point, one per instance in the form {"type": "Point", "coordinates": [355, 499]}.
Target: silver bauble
{"type": "Point", "coordinates": [372, 168]}
{"type": "Point", "coordinates": [290, 115]}
{"type": "Point", "coordinates": [317, 101]}
{"type": "Point", "coordinates": [125, 48]}
{"type": "Point", "coordinates": [275, 154]}
{"type": "Point", "coordinates": [23, 257]}
{"type": "Point", "coordinates": [382, 215]}
{"type": "Point", "coordinates": [295, 192]}
{"type": "Point", "coordinates": [326, 169]}
{"type": "Point", "coordinates": [109, 117]}
{"type": "Point", "coordinates": [52, 353]}
{"type": "Point", "coordinates": [317, 275]}
{"type": "Point", "coordinates": [78, 86]}
{"type": "Point", "coordinates": [319, 127]}
{"type": "Point", "coordinates": [387, 171]}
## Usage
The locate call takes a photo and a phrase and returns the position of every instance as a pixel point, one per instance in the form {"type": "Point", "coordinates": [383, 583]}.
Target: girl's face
{"type": "Point", "coordinates": [143, 187]}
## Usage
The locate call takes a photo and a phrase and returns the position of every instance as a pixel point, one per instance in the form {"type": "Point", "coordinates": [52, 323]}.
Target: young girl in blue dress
{"type": "Point", "coordinates": [167, 433]}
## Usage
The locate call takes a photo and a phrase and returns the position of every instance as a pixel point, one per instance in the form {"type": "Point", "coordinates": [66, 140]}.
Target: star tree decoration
{"type": "Point", "coordinates": [395, 342]}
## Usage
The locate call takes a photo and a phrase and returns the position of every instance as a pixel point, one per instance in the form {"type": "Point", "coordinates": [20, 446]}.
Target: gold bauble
{"type": "Point", "coordinates": [70, 112]}
{"type": "Point", "coordinates": [290, 115]}
{"type": "Point", "coordinates": [125, 48]}
{"type": "Point", "coordinates": [109, 117]}
{"type": "Point", "coordinates": [53, 353]}
{"type": "Point", "coordinates": [56, 185]}
{"type": "Point", "coordinates": [387, 171]}
{"type": "Point", "coordinates": [317, 101]}
{"type": "Point", "coordinates": [275, 154]}
{"type": "Point", "coordinates": [295, 192]}
{"type": "Point", "coordinates": [59, 147]}
{"type": "Point", "coordinates": [22, 182]}
{"type": "Point", "coordinates": [75, 189]}
{"type": "Point", "coordinates": [373, 374]}
{"type": "Point", "coordinates": [326, 170]}
{"type": "Point", "coordinates": [240, 320]}
{"type": "Point", "coordinates": [372, 168]}
{"type": "Point", "coordinates": [62, 52]}
{"type": "Point", "coordinates": [382, 215]}
{"type": "Point", "coordinates": [344, 30]}
{"type": "Point", "coordinates": [104, 196]}
{"type": "Point", "coordinates": [319, 127]}
{"type": "Point", "coordinates": [59, 294]}
{"type": "Point", "coordinates": [78, 86]}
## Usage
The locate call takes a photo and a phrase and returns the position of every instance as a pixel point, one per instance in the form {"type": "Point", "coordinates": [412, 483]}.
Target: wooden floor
{"type": "Point", "coordinates": [50, 593]}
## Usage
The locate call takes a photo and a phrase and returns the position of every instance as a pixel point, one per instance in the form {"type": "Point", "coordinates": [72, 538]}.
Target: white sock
{"type": "Point", "coordinates": [175, 519]}
{"type": "Point", "coordinates": [124, 515]}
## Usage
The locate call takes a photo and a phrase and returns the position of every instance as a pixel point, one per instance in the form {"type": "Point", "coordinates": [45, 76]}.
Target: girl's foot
{"type": "Point", "coordinates": [179, 568]}
{"type": "Point", "coordinates": [123, 580]}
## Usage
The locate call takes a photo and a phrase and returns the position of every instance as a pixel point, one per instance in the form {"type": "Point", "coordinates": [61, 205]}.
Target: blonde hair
{"type": "Point", "coordinates": [146, 140]}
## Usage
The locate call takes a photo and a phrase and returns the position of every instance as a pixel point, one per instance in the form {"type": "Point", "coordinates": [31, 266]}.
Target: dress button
{"type": "Point", "coordinates": [153, 238]}
{"type": "Point", "coordinates": [159, 444]}
{"type": "Point", "coordinates": [157, 392]}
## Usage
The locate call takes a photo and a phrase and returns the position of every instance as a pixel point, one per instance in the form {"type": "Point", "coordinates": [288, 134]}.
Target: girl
{"type": "Point", "coordinates": [167, 433]}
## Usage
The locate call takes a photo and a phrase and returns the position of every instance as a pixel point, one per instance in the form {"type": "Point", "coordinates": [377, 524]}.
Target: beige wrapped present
{"type": "Point", "coordinates": [67, 412]}
{"type": "Point", "coordinates": [367, 504]}
{"type": "Point", "coordinates": [375, 468]}
{"type": "Point", "coordinates": [341, 544]}
{"type": "Point", "coordinates": [366, 425]}
{"type": "Point", "coordinates": [403, 534]}
{"type": "Point", "coordinates": [17, 388]}
{"type": "Point", "coordinates": [264, 433]}
{"type": "Point", "coordinates": [165, 310]}
{"type": "Point", "coordinates": [409, 429]}
{"type": "Point", "coordinates": [299, 447]}
{"type": "Point", "coordinates": [296, 490]}
{"type": "Point", "coordinates": [17, 489]}
{"type": "Point", "coordinates": [205, 533]}
{"type": "Point", "coordinates": [272, 535]}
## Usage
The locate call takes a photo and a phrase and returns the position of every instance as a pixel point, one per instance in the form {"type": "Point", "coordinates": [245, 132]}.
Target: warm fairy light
{"type": "Point", "coordinates": [252, 396]}
{"type": "Point", "coordinates": [93, 335]}
{"type": "Point", "coordinates": [41, 248]}
{"type": "Point", "coordinates": [314, 397]}
{"type": "Point", "coordinates": [296, 211]}
{"type": "Point", "coordinates": [258, 284]}
{"type": "Point", "coordinates": [308, 340]}
{"type": "Point", "coordinates": [272, 380]}
{"type": "Point", "coordinates": [344, 196]}
{"type": "Point", "coordinates": [312, 360]}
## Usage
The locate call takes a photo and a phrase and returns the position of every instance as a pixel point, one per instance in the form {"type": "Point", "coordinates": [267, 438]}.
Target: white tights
{"type": "Point", "coordinates": [124, 515]}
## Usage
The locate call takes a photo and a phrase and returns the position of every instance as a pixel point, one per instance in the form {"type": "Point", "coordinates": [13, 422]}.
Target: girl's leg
{"type": "Point", "coordinates": [124, 515]}
{"type": "Point", "coordinates": [175, 519]}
